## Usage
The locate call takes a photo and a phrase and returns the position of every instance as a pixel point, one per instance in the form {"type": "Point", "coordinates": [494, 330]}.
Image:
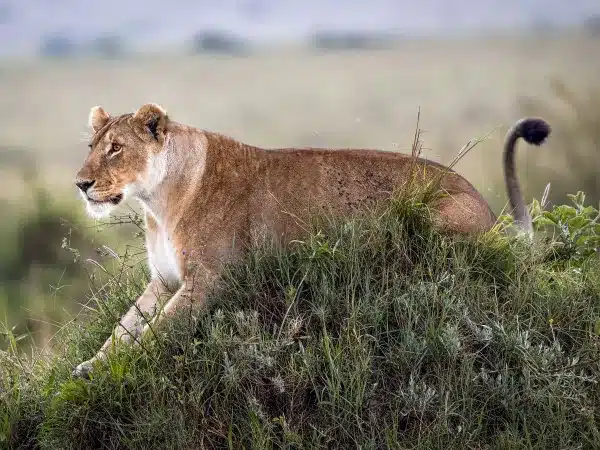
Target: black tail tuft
{"type": "Point", "coordinates": [534, 130]}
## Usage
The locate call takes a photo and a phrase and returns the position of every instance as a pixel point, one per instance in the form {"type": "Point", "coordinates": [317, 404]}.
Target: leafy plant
{"type": "Point", "coordinates": [570, 232]}
{"type": "Point", "coordinates": [576, 231]}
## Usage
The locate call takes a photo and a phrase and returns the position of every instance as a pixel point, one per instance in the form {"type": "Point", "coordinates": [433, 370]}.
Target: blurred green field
{"type": "Point", "coordinates": [464, 88]}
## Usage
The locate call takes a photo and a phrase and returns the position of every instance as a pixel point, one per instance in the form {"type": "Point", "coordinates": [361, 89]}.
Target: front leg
{"type": "Point", "coordinates": [131, 324]}
{"type": "Point", "coordinates": [189, 299]}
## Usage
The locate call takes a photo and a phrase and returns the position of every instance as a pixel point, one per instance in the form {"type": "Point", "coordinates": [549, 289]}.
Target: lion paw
{"type": "Point", "coordinates": [83, 370]}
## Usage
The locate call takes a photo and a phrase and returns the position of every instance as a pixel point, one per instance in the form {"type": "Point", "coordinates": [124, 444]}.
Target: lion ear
{"type": "Point", "coordinates": [153, 118]}
{"type": "Point", "coordinates": [98, 118]}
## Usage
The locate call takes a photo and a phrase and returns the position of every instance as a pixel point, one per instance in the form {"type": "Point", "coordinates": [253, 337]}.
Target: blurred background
{"type": "Point", "coordinates": [274, 73]}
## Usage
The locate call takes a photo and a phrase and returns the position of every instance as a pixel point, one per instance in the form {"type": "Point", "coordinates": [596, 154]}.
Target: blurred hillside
{"type": "Point", "coordinates": [328, 76]}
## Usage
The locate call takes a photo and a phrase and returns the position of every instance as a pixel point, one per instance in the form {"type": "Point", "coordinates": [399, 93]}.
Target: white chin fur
{"type": "Point", "coordinates": [99, 210]}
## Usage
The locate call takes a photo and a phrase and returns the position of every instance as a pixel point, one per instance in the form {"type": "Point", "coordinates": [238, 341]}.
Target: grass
{"type": "Point", "coordinates": [371, 333]}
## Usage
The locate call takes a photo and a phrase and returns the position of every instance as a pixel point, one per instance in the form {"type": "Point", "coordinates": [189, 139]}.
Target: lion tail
{"type": "Point", "coordinates": [534, 131]}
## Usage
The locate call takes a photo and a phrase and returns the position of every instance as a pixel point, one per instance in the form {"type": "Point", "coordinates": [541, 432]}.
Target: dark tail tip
{"type": "Point", "coordinates": [534, 130]}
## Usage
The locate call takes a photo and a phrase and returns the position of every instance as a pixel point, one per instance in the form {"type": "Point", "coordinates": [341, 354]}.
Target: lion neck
{"type": "Point", "coordinates": [192, 166]}
{"type": "Point", "coordinates": [174, 175]}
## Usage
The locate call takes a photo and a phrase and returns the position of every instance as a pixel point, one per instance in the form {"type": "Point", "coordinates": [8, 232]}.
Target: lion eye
{"type": "Point", "coordinates": [115, 148]}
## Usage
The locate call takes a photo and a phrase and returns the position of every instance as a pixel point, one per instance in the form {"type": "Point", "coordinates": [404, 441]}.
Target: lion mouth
{"type": "Point", "coordinates": [115, 200]}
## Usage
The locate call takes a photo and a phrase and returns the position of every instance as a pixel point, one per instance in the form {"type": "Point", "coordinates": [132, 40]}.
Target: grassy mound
{"type": "Point", "coordinates": [372, 333]}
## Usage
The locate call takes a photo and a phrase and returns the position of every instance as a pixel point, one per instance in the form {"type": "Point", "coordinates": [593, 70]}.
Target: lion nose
{"type": "Point", "coordinates": [84, 185]}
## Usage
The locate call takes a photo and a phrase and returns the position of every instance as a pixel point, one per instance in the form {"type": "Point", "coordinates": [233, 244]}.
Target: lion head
{"type": "Point", "coordinates": [122, 157]}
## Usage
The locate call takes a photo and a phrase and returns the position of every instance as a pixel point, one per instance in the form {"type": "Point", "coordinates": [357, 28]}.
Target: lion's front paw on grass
{"type": "Point", "coordinates": [83, 370]}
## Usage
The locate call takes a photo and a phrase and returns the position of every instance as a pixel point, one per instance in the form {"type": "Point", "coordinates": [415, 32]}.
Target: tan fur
{"type": "Point", "coordinates": [206, 195]}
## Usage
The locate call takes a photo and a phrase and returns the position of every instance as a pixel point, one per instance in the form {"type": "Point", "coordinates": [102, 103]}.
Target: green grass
{"type": "Point", "coordinates": [371, 333]}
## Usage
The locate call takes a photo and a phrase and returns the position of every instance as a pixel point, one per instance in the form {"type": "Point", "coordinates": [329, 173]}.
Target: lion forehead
{"type": "Point", "coordinates": [116, 128]}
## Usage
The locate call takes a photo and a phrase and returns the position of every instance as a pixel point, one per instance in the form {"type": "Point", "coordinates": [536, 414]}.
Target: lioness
{"type": "Point", "coordinates": [205, 195]}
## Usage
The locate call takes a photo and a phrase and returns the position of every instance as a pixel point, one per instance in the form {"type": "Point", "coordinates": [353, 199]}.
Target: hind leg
{"type": "Point", "coordinates": [463, 213]}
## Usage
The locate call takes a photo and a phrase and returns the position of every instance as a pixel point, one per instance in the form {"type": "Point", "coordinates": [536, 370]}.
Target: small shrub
{"type": "Point", "coordinates": [57, 45]}
{"type": "Point", "coordinates": [591, 25]}
{"type": "Point", "coordinates": [6, 14]}
{"type": "Point", "coordinates": [218, 42]}
{"type": "Point", "coordinates": [349, 40]}
{"type": "Point", "coordinates": [570, 233]}
{"type": "Point", "coordinates": [575, 229]}
{"type": "Point", "coordinates": [107, 46]}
